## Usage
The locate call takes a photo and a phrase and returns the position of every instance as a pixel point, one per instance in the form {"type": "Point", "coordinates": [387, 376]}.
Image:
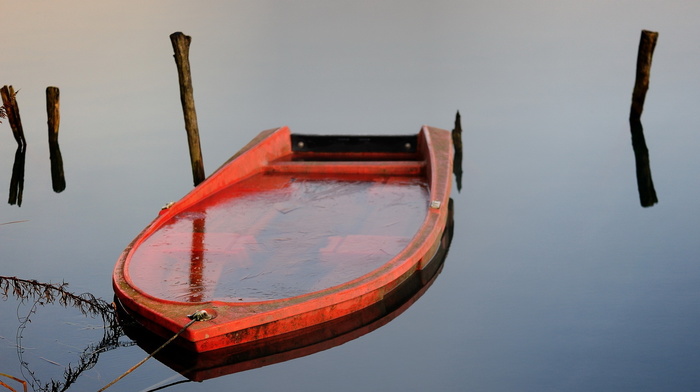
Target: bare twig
{"type": "Point", "coordinates": [87, 304]}
{"type": "Point", "coordinates": [25, 289]}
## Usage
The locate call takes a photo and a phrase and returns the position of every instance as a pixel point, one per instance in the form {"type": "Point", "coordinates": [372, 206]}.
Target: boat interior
{"type": "Point", "coordinates": [333, 210]}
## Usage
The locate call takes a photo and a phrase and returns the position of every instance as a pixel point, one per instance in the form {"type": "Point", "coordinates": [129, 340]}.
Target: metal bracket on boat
{"type": "Point", "coordinates": [166, 207]}
{"type": "Point", "coordinates": [435, 204]}
{"type": "Point", "coordinates": [201, 315]}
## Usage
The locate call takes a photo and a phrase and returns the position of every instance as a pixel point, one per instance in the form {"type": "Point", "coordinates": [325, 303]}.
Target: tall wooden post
{"type": "Point", "coordinates": [181, 46]}
{"type": "Point", "coordinates": [53, 114]}
{"type": "Point", "coordinates": [645, 185]}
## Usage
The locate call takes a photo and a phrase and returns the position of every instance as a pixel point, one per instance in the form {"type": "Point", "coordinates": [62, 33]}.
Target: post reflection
{"type": "Point", "coordinates": [457, 143]}
{"type": "Point", "coordinates": [58, 179]}
{"type": "Point", "coordinates": [17, 179]}
{"type": "Point", "coordinates": [645, 185]}
{"type": "Point", "coordinates": [196, 282]}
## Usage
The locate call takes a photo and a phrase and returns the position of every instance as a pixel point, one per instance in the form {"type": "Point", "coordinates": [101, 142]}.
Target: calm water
{"type": "Point", "coordinates": [556, 280]}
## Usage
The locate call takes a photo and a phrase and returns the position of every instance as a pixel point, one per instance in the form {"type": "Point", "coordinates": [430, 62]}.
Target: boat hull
{"type": "Point", "coordinates": [292, 232]}
{"type": "Point", "coordinates": [295, 344]}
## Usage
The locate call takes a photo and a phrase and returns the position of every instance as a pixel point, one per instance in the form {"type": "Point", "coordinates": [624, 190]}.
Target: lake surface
{"type": "Point", "coordinates": [557, 279]}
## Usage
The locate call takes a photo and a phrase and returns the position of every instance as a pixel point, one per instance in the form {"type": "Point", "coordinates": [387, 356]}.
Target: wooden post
{"type": "Point", "coordinates": [181, 46]}
{"type": "Point", "coordinates": [53, 113]}
{"type": "Point", "coordinates": [645, 185]}
{"type": "Point", "coordinates": [457, 143]}
{"type": "Point", "coordinates": [647, 44]}
{"type": "Point", "coordinates": [12, 111]}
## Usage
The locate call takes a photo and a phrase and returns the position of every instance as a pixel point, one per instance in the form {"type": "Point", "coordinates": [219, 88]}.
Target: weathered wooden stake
{"type": "Point", "coordinates": [645, 185]}
{"type": "Point", "coordinates": [457, 143]}
{"type": "Point", "coordinates": [58, 179]}
{"type": "Point", "coordinates": [12, 110]}
{"type": "Point", "coordinates": [181, 46]}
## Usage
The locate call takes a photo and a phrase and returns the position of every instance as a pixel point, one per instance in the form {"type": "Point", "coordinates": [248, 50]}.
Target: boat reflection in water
{"type": "Point", "coordinates": [211, 364]}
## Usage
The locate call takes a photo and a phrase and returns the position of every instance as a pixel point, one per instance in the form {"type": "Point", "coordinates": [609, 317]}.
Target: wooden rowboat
{"type": "Point", "coordinates": [294, 231]}
{"type": "Point", "coordinates": [307, 341]}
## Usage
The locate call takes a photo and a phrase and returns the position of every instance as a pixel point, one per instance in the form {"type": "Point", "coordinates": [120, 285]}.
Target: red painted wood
{"type": "Point", "coordinates": [276, 241]}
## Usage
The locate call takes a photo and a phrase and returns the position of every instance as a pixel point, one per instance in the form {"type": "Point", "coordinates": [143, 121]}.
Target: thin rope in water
{"type": "Point", "coordinates": [167, 383]}
{"type": "Point", "coordinates": [150, 355]}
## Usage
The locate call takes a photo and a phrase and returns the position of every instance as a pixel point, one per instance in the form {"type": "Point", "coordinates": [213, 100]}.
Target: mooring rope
{"type": "Point", "coordinates": [200, 315]}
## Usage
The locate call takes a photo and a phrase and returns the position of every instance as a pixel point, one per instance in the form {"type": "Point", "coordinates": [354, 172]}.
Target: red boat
{"type": "Point", "coordinates": [294, 231]}
{"type": "Point", "coordinates": [265, 352]}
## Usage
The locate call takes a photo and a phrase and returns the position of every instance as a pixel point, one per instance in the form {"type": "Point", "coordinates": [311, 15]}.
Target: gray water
{"type": "Point", "coordinates": [557, 278]}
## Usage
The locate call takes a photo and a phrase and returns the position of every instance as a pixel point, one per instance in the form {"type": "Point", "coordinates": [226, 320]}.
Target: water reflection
{"type": "Point", "coordinates": [645, 185]}
{"type": "Point", "coordinates": [247, 266]}
{"type": "Point", "coordinates": [87, 358]}
{"type": "Point", "coordinates": [457, 143]}
{"type": "Point", "coordinates": [199, 367]}
{"type": "Point", "coordinates": [197, 285]}
{"type": "Point", "coordinates": [212, 364]}
{"type": "Point", "coordinates": [38, 296]}
{"type": "Point", "coordinates": [17, 179]}
{"type": "Point", "coordinates": [58, 178]}
{"type": "Point", "coordinates": [10, 111]}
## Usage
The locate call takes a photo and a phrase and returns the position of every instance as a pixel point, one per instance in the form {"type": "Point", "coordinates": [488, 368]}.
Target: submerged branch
{"type": "Point", "coordinates": [86, 303]}
{"type": "Point", "coordinates": [24, 289]}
